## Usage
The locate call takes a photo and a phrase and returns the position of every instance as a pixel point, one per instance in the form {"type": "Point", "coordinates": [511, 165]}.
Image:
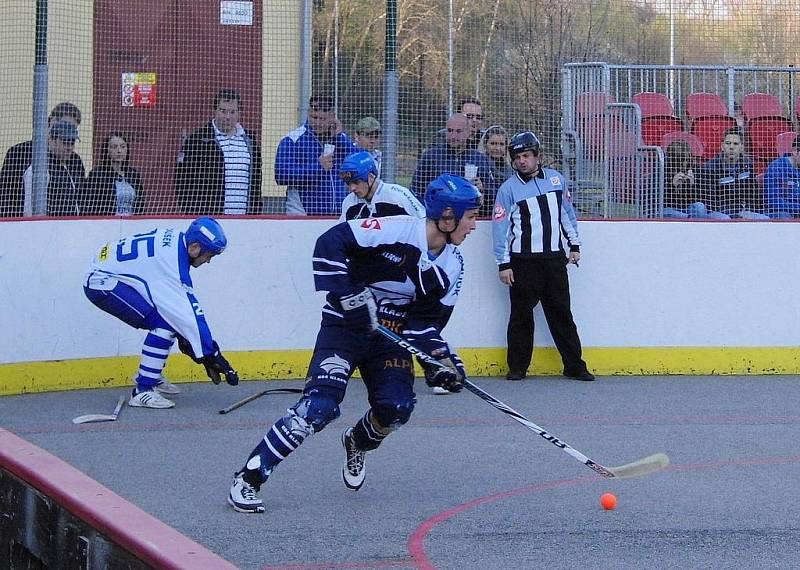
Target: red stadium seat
{"type": "Point", "coordinates": [622, 167]}
{"type": "Point", "coordinates": [757, 105]}
{"type": "Point", "coordinates": [709, 118]}
{"type": "Point", "coordinates": [654, 104]}
{"type": "Point", "coordinates": [695, 144]}
{"type": "Point", "coordinates": [657, 117]}
{"type": "Point", "coordinates": [765, 122]}
{"type": "Point", "coordinates": [784, 141]}
{"type": "Point", "coordinates": [705, 105]}
{"type": "Point", "coordinates": [592, 103]}
{"type": "Point", "coordinates": [591, 120]}
{"type": "Point", "coordinates": [762, 134]}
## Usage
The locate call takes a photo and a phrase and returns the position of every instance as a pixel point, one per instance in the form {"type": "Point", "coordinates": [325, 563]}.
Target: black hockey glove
{"type": "Point", "coordinates": [360, 311]}
{"type": "Point", "coordinates": [186, 348]}
{"type": "Point", "coordinates": [217, 365]}
{"type": "Point", "coordinates": [448, 378]}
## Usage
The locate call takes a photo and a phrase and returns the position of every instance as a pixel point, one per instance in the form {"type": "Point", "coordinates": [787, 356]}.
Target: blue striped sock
{"type": "Point", "coordinates": [155, 351]}
{"type": "Point", "coordinates": [276, 446]}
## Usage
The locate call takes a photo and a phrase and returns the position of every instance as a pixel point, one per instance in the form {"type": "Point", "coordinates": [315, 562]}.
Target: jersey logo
{"type": "Point", "coordinates": [335, 365]}
{"type": "Point", "coordinates": [104, 253]}
{"type": "Point", "coordinates": [555, 181]}
{"type": "Point", "coordinates": [499, 212]}
{"type": "Point", "coordinates": [371, 224]}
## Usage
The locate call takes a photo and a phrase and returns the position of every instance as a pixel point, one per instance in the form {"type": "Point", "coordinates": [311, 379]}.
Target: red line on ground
{"type": "Point", "coordinates": [416, 541]}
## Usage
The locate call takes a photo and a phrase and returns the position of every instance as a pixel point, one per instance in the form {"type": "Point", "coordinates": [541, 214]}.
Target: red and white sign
{"type": "Point", "coordinates": [138, 89]}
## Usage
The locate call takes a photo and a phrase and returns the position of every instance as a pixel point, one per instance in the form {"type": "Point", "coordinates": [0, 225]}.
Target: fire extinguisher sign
{"type": "Point", "coordinates": [138, 89]}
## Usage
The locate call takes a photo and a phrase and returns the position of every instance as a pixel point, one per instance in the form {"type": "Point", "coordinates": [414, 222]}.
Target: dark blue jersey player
{"type": "Point", "coordinates": [402, 272]}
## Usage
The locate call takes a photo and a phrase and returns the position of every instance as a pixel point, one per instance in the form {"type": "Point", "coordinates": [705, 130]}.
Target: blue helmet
{"type": "Point", "coordinates": [208, 233]}
{"type": "Point", "coordinates": [357, 166]}
{"type": "Point", "coordinates": [450, 191]}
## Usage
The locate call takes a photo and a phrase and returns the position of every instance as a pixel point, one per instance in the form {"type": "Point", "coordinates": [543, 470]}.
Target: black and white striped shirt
{"type": "Point", "coordinates": [530, 216]}
{"type": "Point", "coordinates": [237, 169]}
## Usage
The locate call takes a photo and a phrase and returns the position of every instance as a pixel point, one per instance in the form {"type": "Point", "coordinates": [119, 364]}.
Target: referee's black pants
{"type": "Point", "coordinates": [542, 279]}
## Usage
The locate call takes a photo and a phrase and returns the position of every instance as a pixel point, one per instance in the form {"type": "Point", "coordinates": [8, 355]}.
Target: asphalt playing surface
{"type": "Point", "coordinates": [462, 485]}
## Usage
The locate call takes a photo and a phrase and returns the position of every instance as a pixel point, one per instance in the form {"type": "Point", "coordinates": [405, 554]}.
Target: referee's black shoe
{"type": "Point", "coordinates": [583, 375]}
{"type": "Point", "coordinates": [515, 375]}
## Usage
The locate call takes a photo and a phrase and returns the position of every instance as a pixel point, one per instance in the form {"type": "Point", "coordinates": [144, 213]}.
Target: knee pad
{"type": "Point", "coordinates": [391, 415]}
{"type": "Point", "coordinates": [316, 409]}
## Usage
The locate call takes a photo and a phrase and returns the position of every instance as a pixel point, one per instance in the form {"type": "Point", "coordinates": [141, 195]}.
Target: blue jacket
{"type": "Point", "coordinates": [443, 160]}
{"type": "Point", "coordinates": [782, 187]}
{"type": "Point", "coordinates": [297, 166]}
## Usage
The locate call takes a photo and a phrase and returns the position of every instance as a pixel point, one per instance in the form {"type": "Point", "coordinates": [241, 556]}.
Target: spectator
{"type": "Point", "coordinates": [530, 215]}
{"type": "Point", "coordinates": [493, 145]}
{"type": "Point", "coordinates": [782, 184]}
{"type": "Point", "coordinates": [454, 157]}
{"type": "Point", "coordinates": [219, 165]}
{"type": "Point", "coordinates": [371, 197]}
{"type": "Point", "coordinates": [368, 136]}
{"type": "Point", "coordinates": [728, 186]}
{"type": "Point", "coordinates": [680, 190]}
{"type": "Point", "coordinates": [114, 187]}
{"type": "Point", "coordinates": [472, 109]}
{"type": "Point", "coordinates": [65, 169]}
{"type": "Point", "coordinates": [308, 160]}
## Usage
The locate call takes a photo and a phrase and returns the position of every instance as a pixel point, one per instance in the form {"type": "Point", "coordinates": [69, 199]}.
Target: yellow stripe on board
{"type": "Point", "coordinates": [26, 377]}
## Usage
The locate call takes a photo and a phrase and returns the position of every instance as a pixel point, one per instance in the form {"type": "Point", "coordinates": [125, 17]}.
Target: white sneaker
{"type": "Point", "coordinates": [353, 470]}
{"type": "Point", "coordinates": [164, 386]}
{"type": "Point", "coordinates": [439, 391]}
{"type": "Point", "coordinates": [150, 399]}
{"type": "Point", "coordinates": [242, 496]}
{"type": "Point", "coordinates": [167, 387]}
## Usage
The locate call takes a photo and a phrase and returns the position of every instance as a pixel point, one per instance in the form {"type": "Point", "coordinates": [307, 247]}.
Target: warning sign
{"type": "Point", "coordinates": [138, 89]}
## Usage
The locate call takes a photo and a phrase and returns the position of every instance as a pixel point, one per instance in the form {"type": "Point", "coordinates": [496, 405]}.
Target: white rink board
{"type": "Point", "coordinates": [639, 284]}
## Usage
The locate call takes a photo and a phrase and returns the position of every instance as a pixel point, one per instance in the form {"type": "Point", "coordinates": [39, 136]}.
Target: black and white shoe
{"type": "Point", "coordinates": [242, 496]}
{"type": "Point", "coordinates": [353, 470]}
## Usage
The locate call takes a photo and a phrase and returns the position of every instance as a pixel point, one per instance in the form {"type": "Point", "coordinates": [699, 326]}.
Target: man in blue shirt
{"type": "Point", "coordinates": [308, 161]}
{"type": "Point", "coordinates": [455, 157]}
{"type": "Point", "coordinates": [782, 184]}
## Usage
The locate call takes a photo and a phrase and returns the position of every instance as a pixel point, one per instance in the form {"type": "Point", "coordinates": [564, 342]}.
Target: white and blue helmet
{"type": "Point", "coordinates": [357, 166]}
{"type": "Point", "coordinates": [208, 233]}
{"type": "Point", "coordinates": [451, 191]}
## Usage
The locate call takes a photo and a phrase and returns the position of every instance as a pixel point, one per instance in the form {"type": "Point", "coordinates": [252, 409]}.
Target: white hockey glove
{"type": "Point", "coordinates": [360, 311]}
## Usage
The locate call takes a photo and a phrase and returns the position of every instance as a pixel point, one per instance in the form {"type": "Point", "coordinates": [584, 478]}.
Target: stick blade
{"type": "Point", "coordinates": [93, 418]}
{"type": "Point", "coordinates": [644, 466]}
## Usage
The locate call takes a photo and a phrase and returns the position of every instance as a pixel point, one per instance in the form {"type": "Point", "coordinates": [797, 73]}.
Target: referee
{"type": "Point", "coordinates": [530, 214]}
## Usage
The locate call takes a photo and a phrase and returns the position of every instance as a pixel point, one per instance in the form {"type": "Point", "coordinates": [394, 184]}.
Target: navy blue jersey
{"type": "Point", "coordinates": [390, 256]}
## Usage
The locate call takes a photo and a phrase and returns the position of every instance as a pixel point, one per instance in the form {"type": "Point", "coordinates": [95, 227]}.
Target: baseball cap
{"type": "Point", "coordinates": [64, 131]}
{"type": "Point", "coordinates": [368, 125]}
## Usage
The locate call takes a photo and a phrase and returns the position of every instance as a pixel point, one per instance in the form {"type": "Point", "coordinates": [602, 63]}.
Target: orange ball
{"type": "Point", "coordinates": [608, 501]}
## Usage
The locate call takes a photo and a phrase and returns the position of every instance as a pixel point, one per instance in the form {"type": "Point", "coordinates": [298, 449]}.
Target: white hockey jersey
{"type": "Point", "coordinates": [156, 264]}
{"type": "Point", "coordinates": [388, 200]}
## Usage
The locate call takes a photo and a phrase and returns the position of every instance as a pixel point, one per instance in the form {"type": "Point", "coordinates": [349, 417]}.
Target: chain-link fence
{"type": "Point", "coordinates": [202, 106]}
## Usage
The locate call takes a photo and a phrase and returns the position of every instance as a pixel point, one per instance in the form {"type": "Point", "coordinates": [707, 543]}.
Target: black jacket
{"type": "Point", "coordinates": [200, 174]}
{"type": "Point", "coordinates": [100, 196]}
{"type": "Point", "coordinates": [63, 190]}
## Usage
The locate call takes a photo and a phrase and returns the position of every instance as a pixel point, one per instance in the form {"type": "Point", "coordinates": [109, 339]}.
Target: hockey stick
{"type": "Point", "coordinates": [642, 466]}
{"type": "Point", "coordinates": [257, 395]}
{"type": "Point", "coordinates": [93, 418]}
